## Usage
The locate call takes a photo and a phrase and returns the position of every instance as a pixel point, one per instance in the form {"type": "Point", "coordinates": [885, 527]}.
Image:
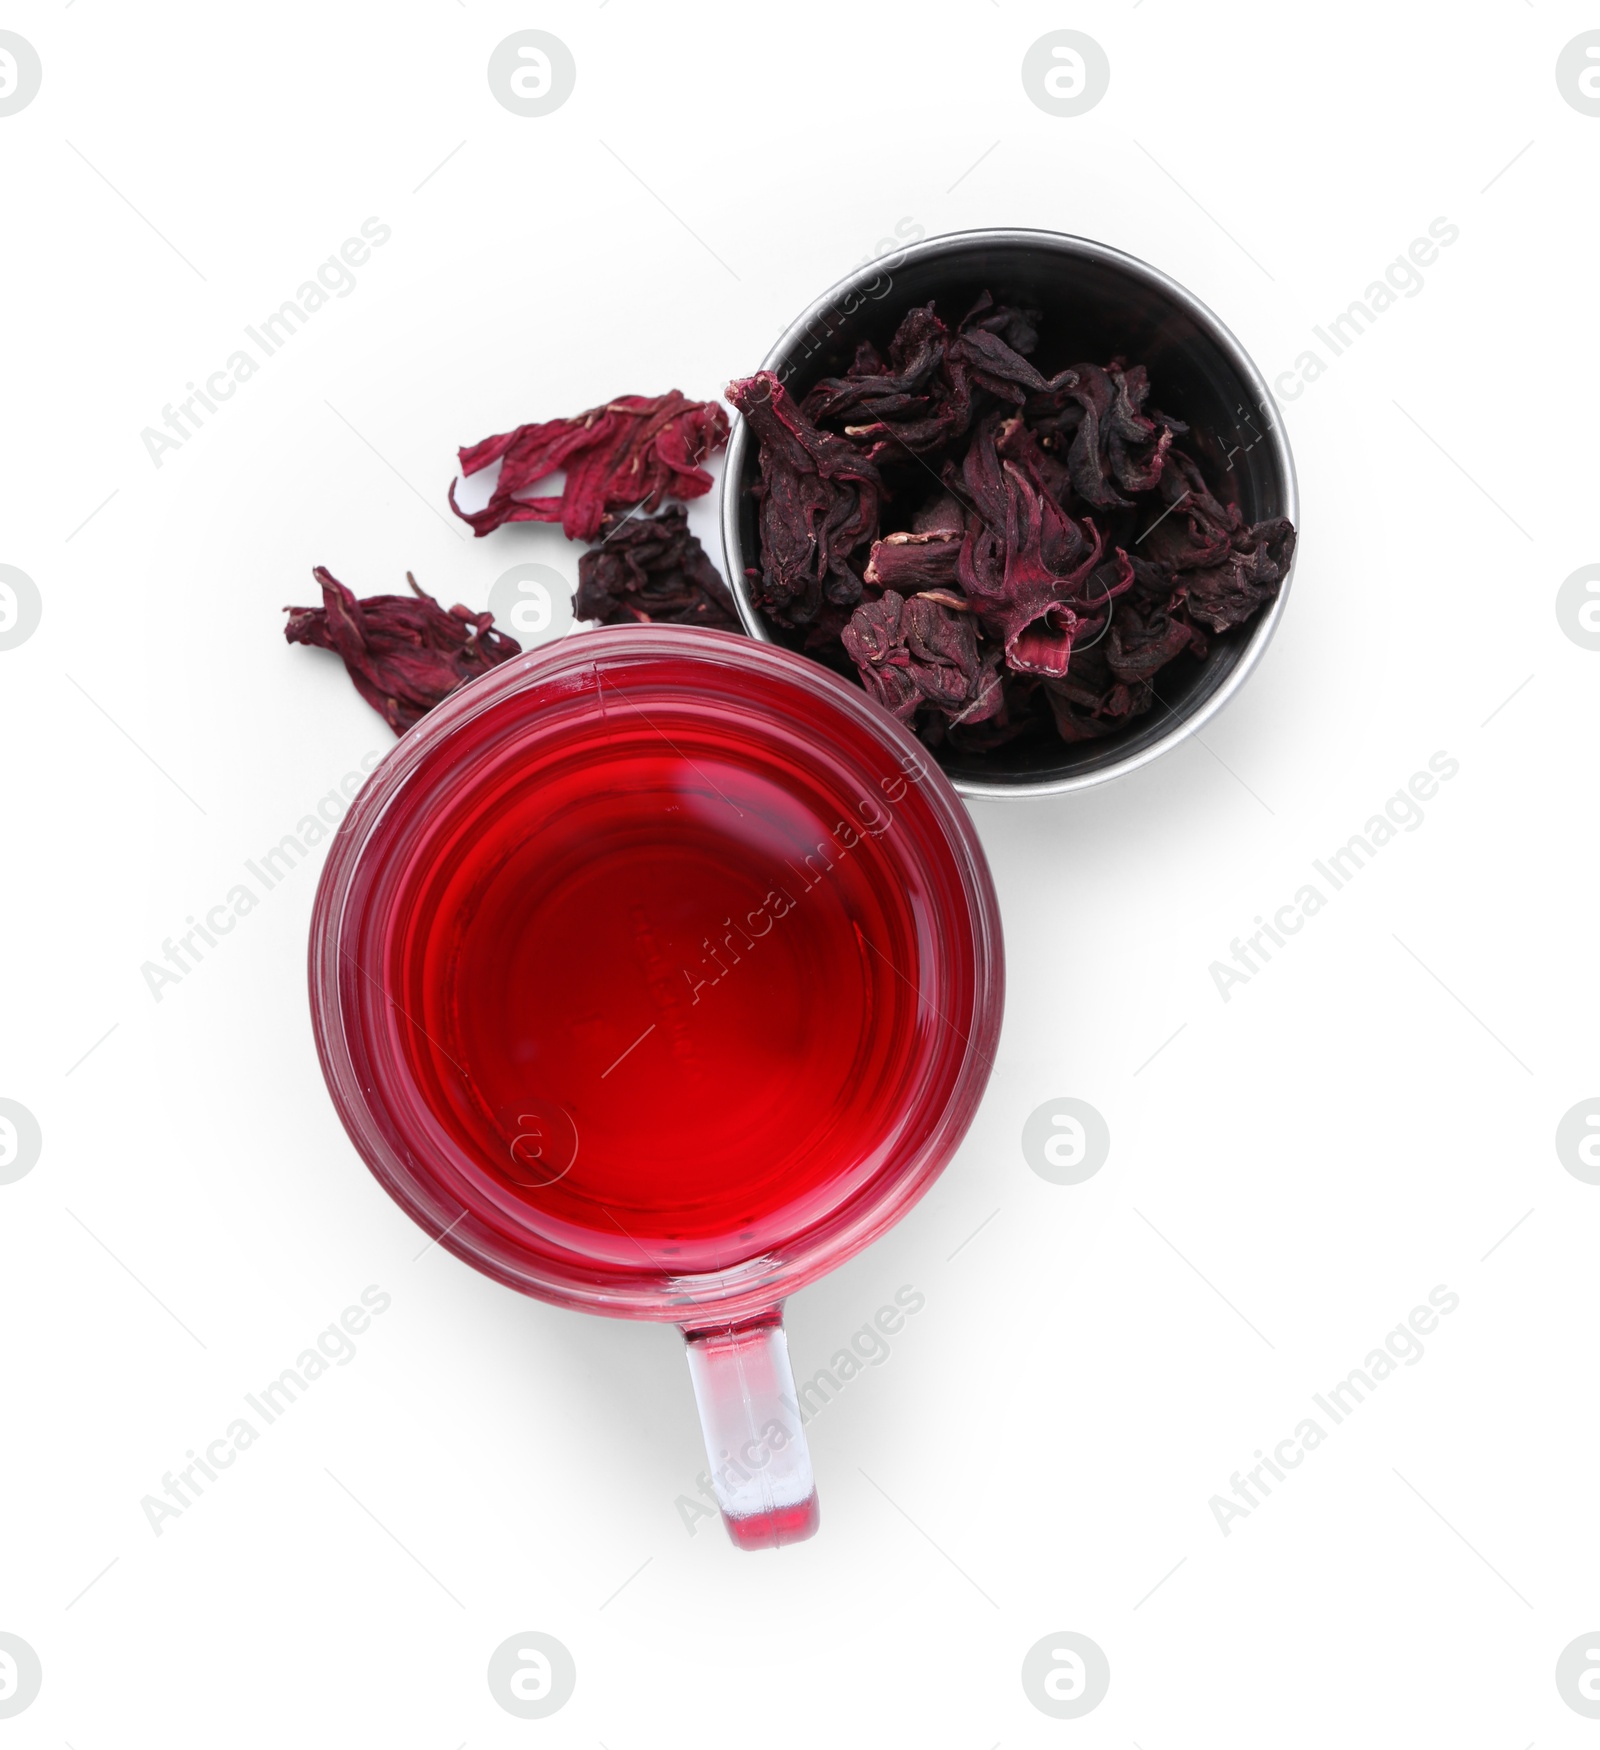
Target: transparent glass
{"type": "Point", "coordinates": [655, 974]}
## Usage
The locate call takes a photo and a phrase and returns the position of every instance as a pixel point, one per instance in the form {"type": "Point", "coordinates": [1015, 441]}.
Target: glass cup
{"type": "Point", "coordinates": [500, 911]}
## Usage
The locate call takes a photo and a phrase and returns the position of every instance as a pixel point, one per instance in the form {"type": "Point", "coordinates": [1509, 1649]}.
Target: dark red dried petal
{"type": "Point", "coordinates": [1228, 594]}
{"type": "Point", "coordinates": [873, 634]}
{"type": "Point", "coordinates": [1029, 585]}
{"type": "Point", "coordinates": [1018, 328]}
{"type": "Point", "coordinates": [404, 653]}
{"type": "Point", "coordinates": [1045, 469]}
{"type": "Point", "coordinates": [1196, 528]}
{"type": "Point", "coordinates": [915, 402]}
{"type": "Point", "coordinates": [910, 382]}
{"type": "Point", "coordinates": [819, 502]}
{"type": "Point", "coordinates": [910, 563]}
{"type": "Point", "coordinates": [634, 451]}
{"type": "Point", "coordinates": [1002, 370]}
{"type": "Point", "coordinates": [1136, 442]}
{"type": "Point", "coordinates": [921, 651]}
{"type": "Point", "coordinates": [923, 397]}
{"type": "Point", "coordinates": [1141, 644]}
{"type": "Point", "coordinates": [943, 647]}
{"type": "Point", "coordinates": [652, 571]}
{"type": "Point", "coordinates": [874, 643]}
{"type": "Point", "coordinates": [1087, 462]}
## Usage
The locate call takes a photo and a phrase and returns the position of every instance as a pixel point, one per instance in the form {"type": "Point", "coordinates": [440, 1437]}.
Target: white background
{"type": "Point", "coordinates": [1322, 1149]}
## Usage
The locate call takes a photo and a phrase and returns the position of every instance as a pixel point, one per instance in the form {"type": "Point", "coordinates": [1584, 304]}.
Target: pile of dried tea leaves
{"type": "Point", "coordinates": [996, 552]}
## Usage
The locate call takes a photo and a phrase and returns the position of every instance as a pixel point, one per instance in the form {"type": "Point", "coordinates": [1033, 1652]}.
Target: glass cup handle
{"type": "Point", "coordinates": [760, 1466]}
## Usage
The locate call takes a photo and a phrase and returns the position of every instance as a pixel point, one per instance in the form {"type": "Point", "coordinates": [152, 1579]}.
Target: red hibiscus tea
{"type": "Point", "coordinates": [655, 974]}
{"type": "Point", "coordinates": [664, 989]}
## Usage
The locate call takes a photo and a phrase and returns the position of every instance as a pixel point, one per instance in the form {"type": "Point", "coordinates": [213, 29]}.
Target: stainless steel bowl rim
{"type": "Point", "coordinates": [1080, 248]}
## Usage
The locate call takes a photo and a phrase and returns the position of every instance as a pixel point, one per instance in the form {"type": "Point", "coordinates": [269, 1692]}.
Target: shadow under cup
{"type": "Point", "coordinates": [655, 974]}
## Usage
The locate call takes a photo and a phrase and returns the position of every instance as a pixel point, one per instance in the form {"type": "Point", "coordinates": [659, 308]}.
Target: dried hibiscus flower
{"type": "Point", "coordinates": [819, 503]}
{"type": "Point", "coordinates": [922, 651]}
{"type": "Point", "coordinates": [404, 653]}
{"type": "Point", "coordinates": [1112, 445]}
{"type": "Point", "coordinates": [1069, 553]}
{"type": "Point", "coordinates": [652, 571]}
{"type": "Point", "coordinates": [922, 397]}
{"type": "Point", "coordinates": [632, 452]}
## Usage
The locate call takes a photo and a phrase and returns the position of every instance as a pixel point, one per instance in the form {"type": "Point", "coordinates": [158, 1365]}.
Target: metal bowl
{"type": "Point", "coordinates": [1094, 302]}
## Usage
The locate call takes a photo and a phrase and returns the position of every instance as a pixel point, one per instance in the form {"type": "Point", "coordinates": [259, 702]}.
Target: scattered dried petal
{"type": "Point", "coordinates": [652, 571]}
{"type": "Point", "coordinates": [632, 452]}
{"type": "Point", "coordinates": [404, 653]}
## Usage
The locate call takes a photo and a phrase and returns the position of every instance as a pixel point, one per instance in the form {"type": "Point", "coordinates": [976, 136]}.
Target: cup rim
{"type": "Point", "coordinates": [1071, 246]}
{"type": "Point", "coordinates": [707, 1297]}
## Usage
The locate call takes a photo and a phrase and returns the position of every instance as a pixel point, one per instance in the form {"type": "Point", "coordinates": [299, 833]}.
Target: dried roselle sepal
{"type": "Point", "coordinates": [1047, 472]}
{"type": "Point", "coordinates": [978, 482]}
{"type": "Point", "coordinates": [819, 503]}
{"type": "Point", "coordinates": [1112, 441]}
{"type": "Point", "coordinates": [922, 398]}
{"type": "Point", "coordinates": [873, 634]}
{"type": "Point", "coordinates": [919, 401]}
{"type": "Point", "coordinates": [873, 389]}
{"type": "Point", "coordinates": [1030, 584]}
{"type": "Point", "coordinates": [1090, 702]}
{"type": "Point", "coordinates": [404, 653]}
{"type": "Point", "coordinates": [913, 563]}
{"type": "Point", "coordinates": [1088, 461]}
{"type": "Point", "coordinates": [1276, 535]}
{"type": "Point", "coordinates": [1196, 529]}
{"type": "Point", "coordinates": [921, 652]}
{"type": "Point", "coordinates": [1002, 370]}
{"type": "Point", "coordinates": [652, 571]}
{"type": "Point", "coordinates": [1142, 641]}
{"type": "Point", "coordinates": [874, 643]}
{"type": "Point", "coordinates": [632, 452]}
{"type": "Point", "coordinates": [993, 341]}
{"type": "Point", "coordinates": [1018, 328]}
{"type": "Point", "coordinates": [1137, 442]}
{"type": "Point", "coordinates": [1046, 611]}
{"type": "Point", "coordinates": [988, 692]}
{"type": "Point", "coordinates": [1228, 594]}
{"type": "Point", "coordinates": [943, 647]}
